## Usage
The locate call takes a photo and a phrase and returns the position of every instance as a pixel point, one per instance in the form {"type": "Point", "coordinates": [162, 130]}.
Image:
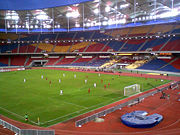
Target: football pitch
{"type": "Point", "coordinates": [40, 97]}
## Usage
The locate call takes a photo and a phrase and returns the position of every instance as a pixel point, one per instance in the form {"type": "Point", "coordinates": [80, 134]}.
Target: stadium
{"type": "Point", "coordinates": [95, 67]}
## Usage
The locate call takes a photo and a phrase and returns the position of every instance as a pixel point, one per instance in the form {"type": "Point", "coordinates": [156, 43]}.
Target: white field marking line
{"type": "Point", "coordinates": [78, 114]}
{"type": "Point", "coordinates": [96, 108]}
{"type": "Point", "coordinates": [62, 116]}
{"type": "Point", "coordinates": [75, 104]}
{"type": "Point", "coordinates": [17, 115]}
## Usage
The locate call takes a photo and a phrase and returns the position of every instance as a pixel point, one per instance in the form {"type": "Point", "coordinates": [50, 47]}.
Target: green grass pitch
{"type": "Point", "coordinates": [38, 98]}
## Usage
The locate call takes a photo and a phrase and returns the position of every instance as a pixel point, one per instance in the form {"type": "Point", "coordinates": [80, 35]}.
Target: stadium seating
{"type": "Point", "coordinates": [133, 44]}
{"type": "Point", "coordinates": [66, 61]}
{"type": "Point", "coordinates": [153, 43]}
{"type": "Point", "coordinates": [140, 31]}
{"type": "Point", "coordinates": [159, 29]}
{"type": "Point", "coordinates": [154, 64]}
{"type": "Point", "coordinates": [163, 65]}
{"type": "Point", "coordinates": [119, 32]}
{"type": "Point", "coordinates": [4, 60]}
{"type": "Point", "coordinates": [97, 62]}
{"type": "Point", "coordinates": [51, 61]}
{"type": "Point", "coordinates": [18, 60]}
{"type": "Point", "coordinates": [172, 45]}
{"type": "Point", "coordinates": [80, 47]}
{"type": "Point", "coordinates": [81, 62]}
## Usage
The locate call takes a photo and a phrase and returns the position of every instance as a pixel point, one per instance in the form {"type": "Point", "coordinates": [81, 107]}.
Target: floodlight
{"type": "Point", "coordinates": [88, 24]}
{"type": "Point", "coordinates": [107, 9]}
{"type": "Point", "coordinates": [105, 23]}
{"type": "Point", "coordinates": [96, 11]}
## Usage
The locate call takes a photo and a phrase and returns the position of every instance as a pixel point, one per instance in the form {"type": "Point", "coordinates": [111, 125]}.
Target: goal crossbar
{"type": "Point", "coordinates": [129, 90]}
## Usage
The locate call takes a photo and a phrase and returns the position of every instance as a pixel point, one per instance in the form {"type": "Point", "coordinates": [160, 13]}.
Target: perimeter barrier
{"type": "Point", "coordinates": [25, 131]}
{"type": "Point", "coordinates": [134, 101]}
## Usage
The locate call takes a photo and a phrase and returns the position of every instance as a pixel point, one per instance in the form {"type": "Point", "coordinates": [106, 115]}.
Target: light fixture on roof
{"type": "Point", "coordinates": [77, 25]}
{"type": "Point", "coordinates": [88, 24]}
{"type": "Point", "coordinates": [124, 6]}
{"type": "Point", "coordinates": [147, 17]}
{"type": "Point", "coordinates": [68, 14]}
{"type": "Point", "coordinates": [122, 21]}
{"type": "Point", "coordinates": [73, 14]}
{"type": "Point", "coordinates": [110, 22]}
{"type": "Point", "coordinates": [154, 17]}
{"type": "Point", "coordinates": [48, 26]}
{"type": "Point", "coordinates": [171, 13]}
{"type": "Point", "coordinates": [105, 23]}
{"type": "Point", "coordinates": [8, 25]}
{"type": "Point", "coordinates": [107, 9]}
{"type": "Point", "coordinates": [36, 26]}
{"type": "Point", "coordinates": [92, 24]}
{"type": "Point", "coordinates": [96, 11]}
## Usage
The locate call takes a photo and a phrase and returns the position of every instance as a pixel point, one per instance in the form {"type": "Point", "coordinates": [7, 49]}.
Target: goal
{"type": "Point", "coordinates": [132, 89]}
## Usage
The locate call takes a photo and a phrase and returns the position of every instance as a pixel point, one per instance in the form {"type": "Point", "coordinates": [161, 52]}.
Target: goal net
{"type": "Point", "coordinates": [132, 89]}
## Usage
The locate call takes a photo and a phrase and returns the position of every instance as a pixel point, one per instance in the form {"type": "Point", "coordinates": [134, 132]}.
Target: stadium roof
{"type": "Point", "coordinates": [66, 14]}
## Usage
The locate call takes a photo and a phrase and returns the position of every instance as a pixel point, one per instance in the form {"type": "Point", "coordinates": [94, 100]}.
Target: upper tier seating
{"type": "Point", "coordinates": [88, 46]}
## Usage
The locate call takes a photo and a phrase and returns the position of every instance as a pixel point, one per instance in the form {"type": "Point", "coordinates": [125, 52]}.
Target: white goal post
{"type": "Point", "coordinates": [132, 89]}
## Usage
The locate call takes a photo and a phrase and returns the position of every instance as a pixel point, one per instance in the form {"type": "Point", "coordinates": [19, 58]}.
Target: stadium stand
{"type": "Point", "coordinates": [4, 60]}
{"type": "Point", "coordinates": [163, 65]}
{"type": "Point", "coordinates": [66, 61]}
{"type": "Point", "coordinates": [18, 60]}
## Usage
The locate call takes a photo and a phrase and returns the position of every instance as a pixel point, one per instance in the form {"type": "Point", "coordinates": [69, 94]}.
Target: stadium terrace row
{"type": "Point", "coordinates": [172, 65]}
{"type": "Point", "coordinates": [95, 41]}
{"type": "Point", "coordinates": [63, 61]}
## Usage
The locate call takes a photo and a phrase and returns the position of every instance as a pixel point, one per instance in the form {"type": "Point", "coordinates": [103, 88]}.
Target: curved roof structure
{"type": "Point", "coordinates": [83, 14]}
{"type": "Point", "coordinates": [36, 4]}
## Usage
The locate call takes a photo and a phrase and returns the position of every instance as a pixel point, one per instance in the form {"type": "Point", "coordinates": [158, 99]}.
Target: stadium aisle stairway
{"type": "Point", "coordinates": [81, 62]}
{"type": "Point", "coordinates": [81, 46]}
{"type": "Point", "coordinates": [65, 61]}
{"type": "Point", "coordinates": [51, 61]}
{"type": "Point", "coordinates": [173, 44]}
{"type": "Point", "coordinates": [133, 44]}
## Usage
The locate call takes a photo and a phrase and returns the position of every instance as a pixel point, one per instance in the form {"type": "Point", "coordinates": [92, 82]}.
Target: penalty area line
{"type": "Point", "coordinates": [76, 105]}
{"type": "Point", "coordinates": [17, 115]}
